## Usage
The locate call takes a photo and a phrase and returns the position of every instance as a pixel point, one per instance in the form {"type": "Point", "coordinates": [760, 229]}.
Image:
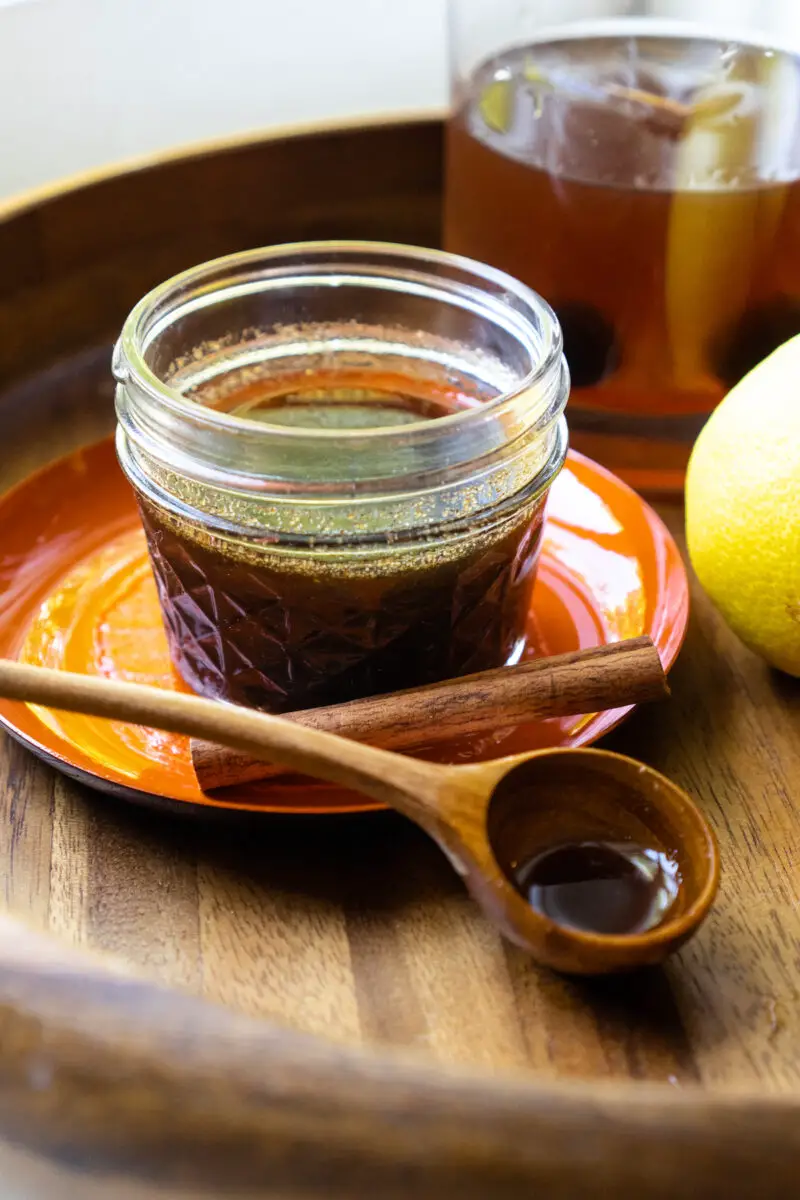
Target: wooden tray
{"type": "Point", "coordinates": [412, 1054]}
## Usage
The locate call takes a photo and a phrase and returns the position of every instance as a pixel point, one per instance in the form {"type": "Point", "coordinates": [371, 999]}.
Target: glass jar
{"type": "Point", "coordinates": [341, 454]}
{"type": "Point", "coordinates": [657, 145]}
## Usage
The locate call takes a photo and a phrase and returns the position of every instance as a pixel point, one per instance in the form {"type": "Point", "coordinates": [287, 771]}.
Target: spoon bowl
{"type": "Point", "coordinates": [547, 799]}
{"type": "Point", "coordinates": [489, 818]}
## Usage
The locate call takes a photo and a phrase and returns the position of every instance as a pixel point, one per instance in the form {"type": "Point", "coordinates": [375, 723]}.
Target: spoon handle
{"type": "Point", "coordinates": [393, 779]}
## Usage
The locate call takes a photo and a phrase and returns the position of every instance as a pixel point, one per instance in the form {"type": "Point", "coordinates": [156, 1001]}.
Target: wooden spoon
{"type": "Point", "coordinates": [488, 818]}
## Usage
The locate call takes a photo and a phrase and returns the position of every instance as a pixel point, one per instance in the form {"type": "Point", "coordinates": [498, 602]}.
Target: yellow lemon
{"type": "Point", "coordinates": [743, 508]}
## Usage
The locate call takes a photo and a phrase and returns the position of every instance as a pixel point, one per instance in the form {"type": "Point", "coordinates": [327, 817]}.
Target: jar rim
{"type": "Point", "coordinates": [129, 362]}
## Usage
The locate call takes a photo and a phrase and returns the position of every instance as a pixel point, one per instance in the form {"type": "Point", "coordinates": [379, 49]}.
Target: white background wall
{"type": "Point", "coordinates": [84, 82]}
{"type": "Point", "coordinates": [87, 82]}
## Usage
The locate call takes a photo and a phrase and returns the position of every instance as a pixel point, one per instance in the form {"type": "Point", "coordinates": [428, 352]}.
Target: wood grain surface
{"type": "Point", "coordinates": [355, 927]}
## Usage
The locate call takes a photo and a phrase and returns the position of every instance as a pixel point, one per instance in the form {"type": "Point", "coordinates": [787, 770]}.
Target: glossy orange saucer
{"type": "Point", "coordinates": [76, 592]}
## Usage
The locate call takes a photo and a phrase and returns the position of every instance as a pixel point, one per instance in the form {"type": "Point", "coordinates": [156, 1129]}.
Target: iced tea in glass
{"type": "Point", "coordinates": [648, 186]}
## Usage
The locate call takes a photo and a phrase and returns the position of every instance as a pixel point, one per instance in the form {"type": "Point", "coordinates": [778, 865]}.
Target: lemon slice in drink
{"type": "Point", "coordinates": [496, 104]}
{"type": "Point", "coordinates": [719, 221]}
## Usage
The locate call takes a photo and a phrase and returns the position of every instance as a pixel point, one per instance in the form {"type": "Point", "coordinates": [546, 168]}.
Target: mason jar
{"type": "Point", "coordinates": [341, 453]}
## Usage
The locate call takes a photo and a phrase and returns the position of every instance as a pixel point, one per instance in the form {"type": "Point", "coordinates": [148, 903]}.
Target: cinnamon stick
{"type": "Point", "coordinates": [583, 681]}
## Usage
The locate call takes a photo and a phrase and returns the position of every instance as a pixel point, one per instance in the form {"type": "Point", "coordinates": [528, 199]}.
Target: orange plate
{"type": "Point", "coordinates": [76, 593]}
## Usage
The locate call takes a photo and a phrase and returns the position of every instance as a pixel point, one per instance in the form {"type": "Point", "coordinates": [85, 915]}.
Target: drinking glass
{"type": "Point", "coordinates": [637, 164]}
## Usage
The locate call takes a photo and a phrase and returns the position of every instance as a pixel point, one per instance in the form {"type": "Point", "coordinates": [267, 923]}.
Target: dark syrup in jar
{"type": "Point", "coordinates": [600, 887]}
{"type": "Point", "coordinates": [286, 627]}
{"type": "Point", "coordinates": [348, 408]}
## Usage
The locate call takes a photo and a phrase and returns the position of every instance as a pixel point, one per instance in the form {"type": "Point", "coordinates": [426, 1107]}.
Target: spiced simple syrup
{"type": "Point", "coordinates": [603, 887]}
{"type": "Point", "coordinates": [281, 623]}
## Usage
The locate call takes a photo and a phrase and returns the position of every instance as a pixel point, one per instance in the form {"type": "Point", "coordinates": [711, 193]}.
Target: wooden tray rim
{"type": "Point", "coordinates": [21, 202]}
{"type": "Point", "coordinates": [268, 1104]}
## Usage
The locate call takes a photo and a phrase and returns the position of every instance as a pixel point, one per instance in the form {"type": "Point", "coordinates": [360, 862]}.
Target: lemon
{"type": "Point", "coordinates": [743, 508]}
